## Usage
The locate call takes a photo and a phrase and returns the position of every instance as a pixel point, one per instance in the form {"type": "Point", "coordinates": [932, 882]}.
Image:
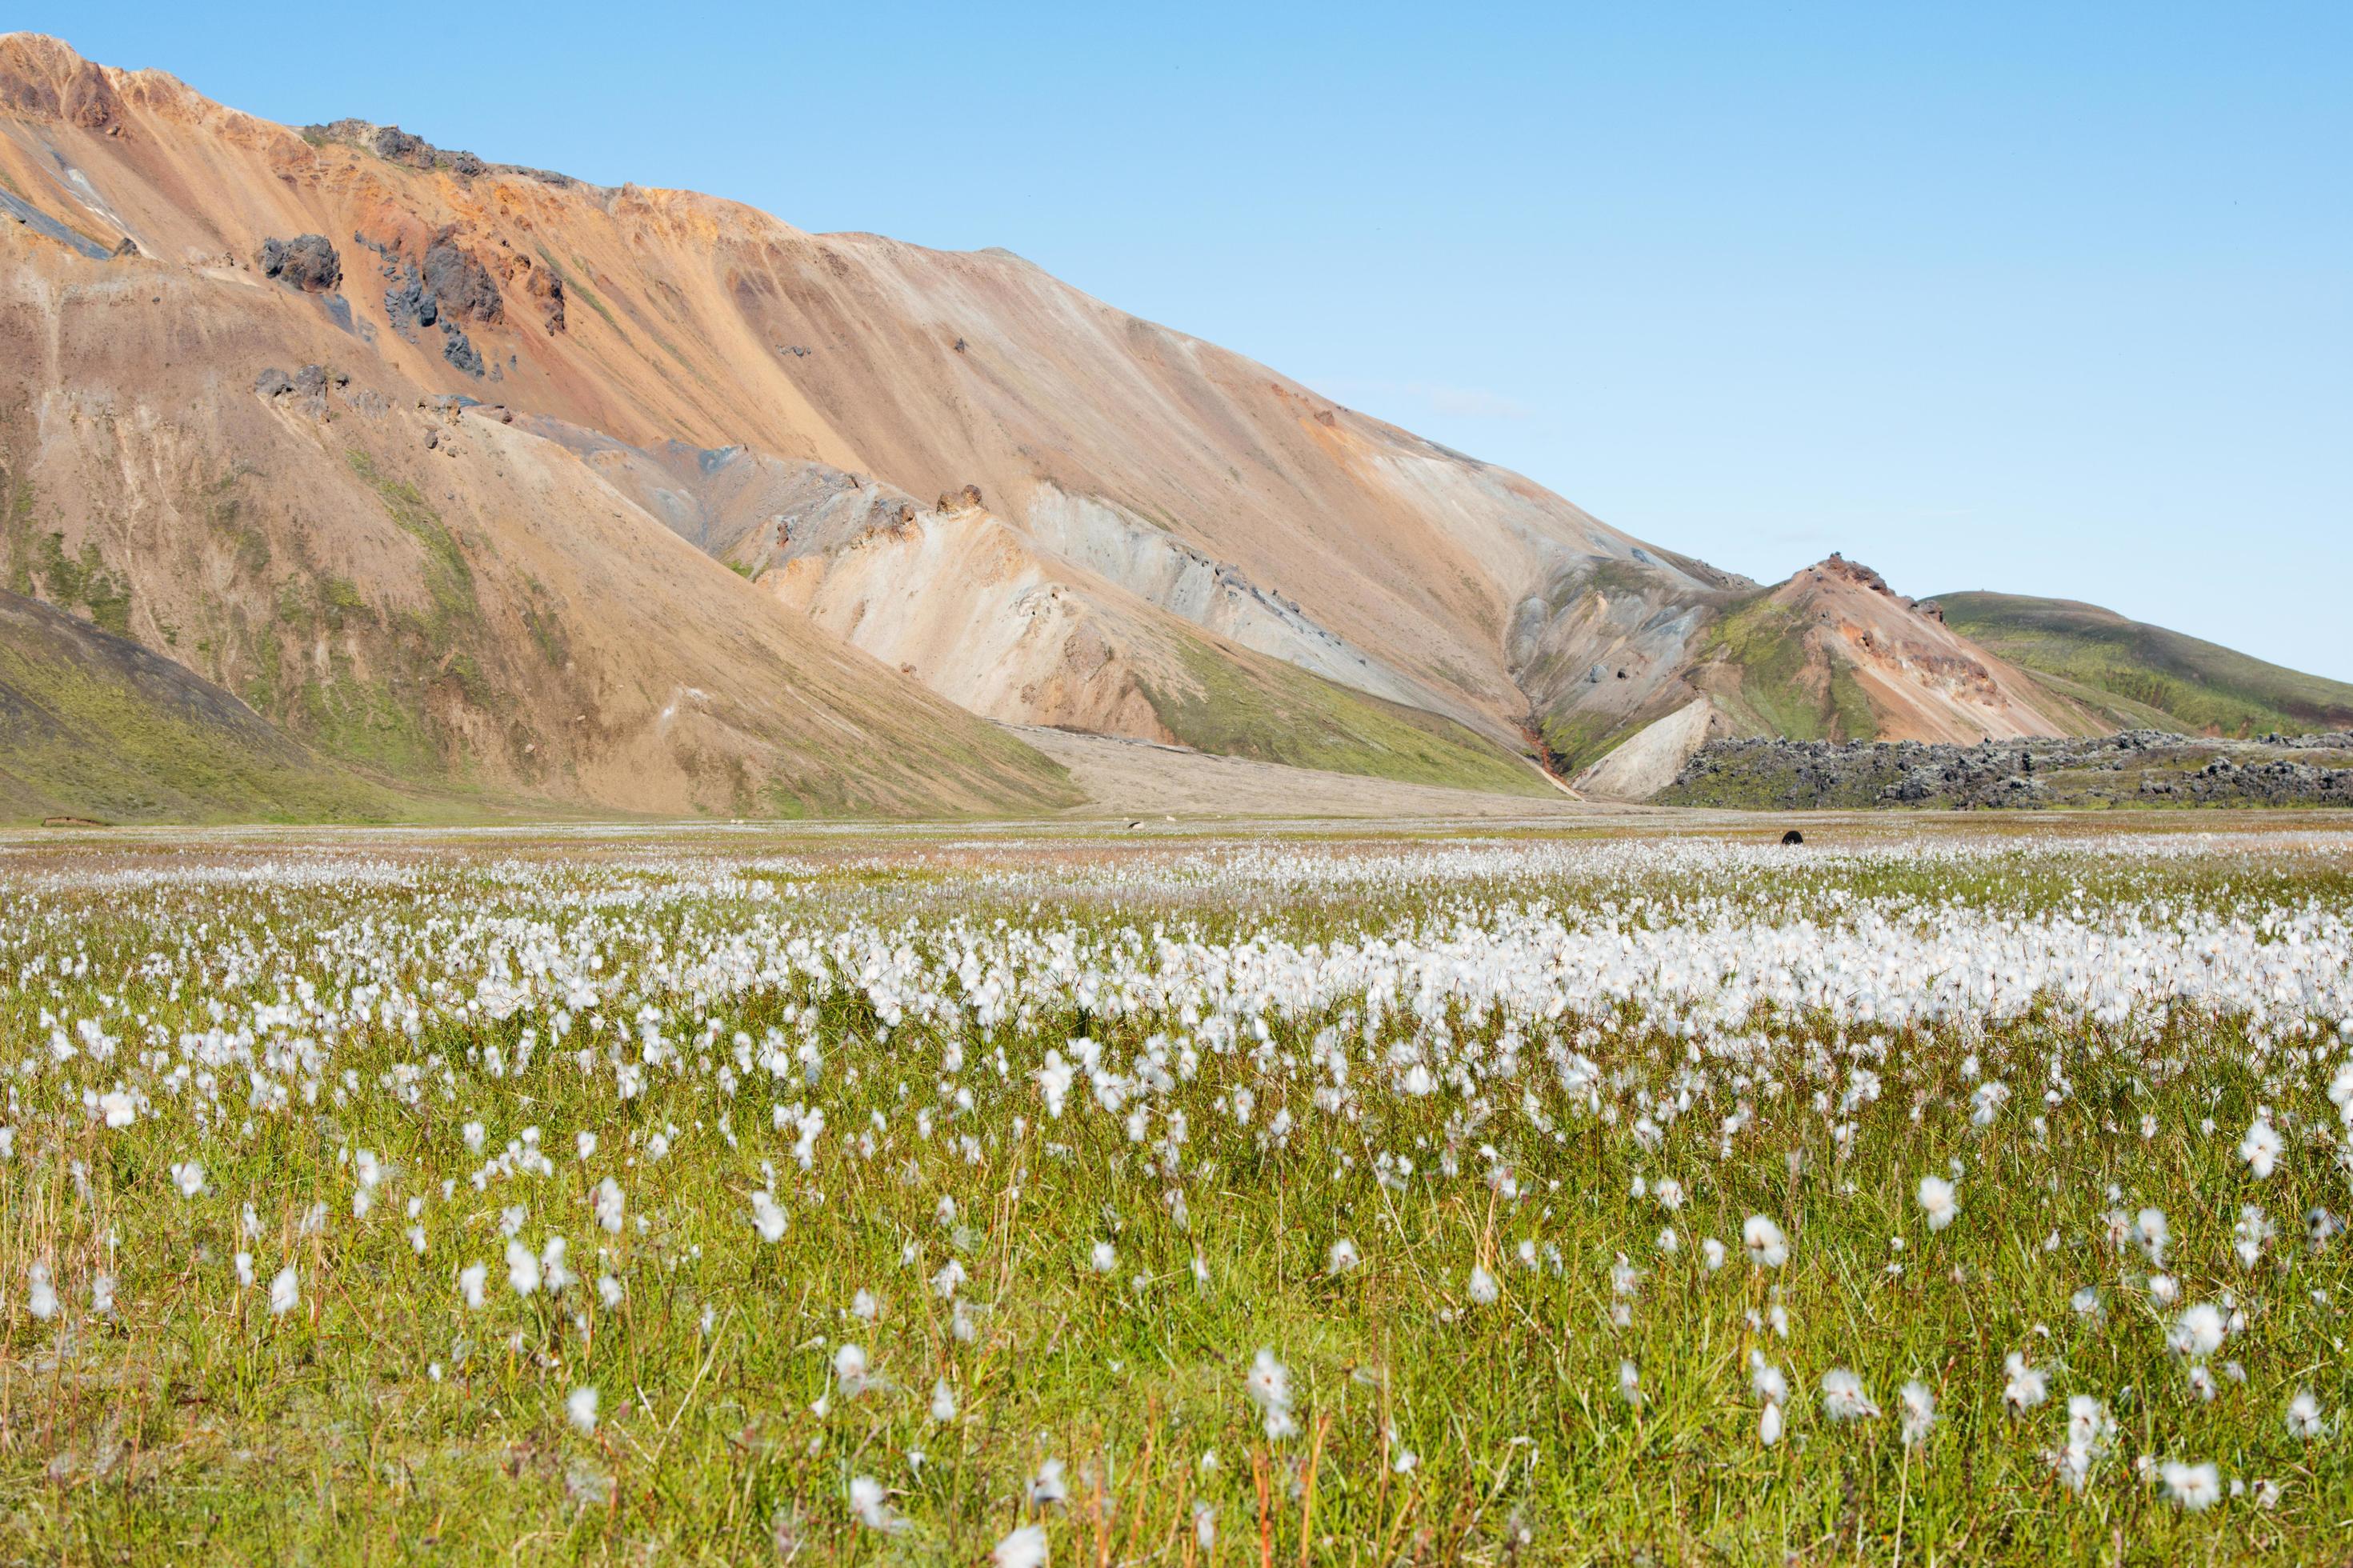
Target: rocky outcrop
{"type": "Point", "coordinates": [307, 262]}
{"type": "Point", "coordinates": [2138, 767]}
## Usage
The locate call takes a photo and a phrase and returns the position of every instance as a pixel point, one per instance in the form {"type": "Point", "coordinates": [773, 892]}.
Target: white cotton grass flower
{"type": "Point", "coordinates": [1483, 1289]}
{"type": "Point", "coordinates": [523, 1269]}
{"type": "Point", "coordinates": [1023, 1548]}
{"type": "Point", "coordinates": [871, 1503]}
{"type": "Point", "coordinates": [2261, 1147]}
{"type": "Point", "coordinates": [285, 1292]}
{"type": "Point", "coordinates": [1047, 1488]}
{"type": "Point", "coordinates": [2025, 1387]}
{"type": "Point", "coordinates": [585, 1142]}
{"type": "Point", "coordinates": [850, 1371]}
{"type": "Point", "coordinates": [1269, 1384]}
{"type": "Point", "coordinates": [245, 1275]}
{"type": "Point", "coordinates": [1844, 1398]}
{"type": "Point", "coordinates": [943, 1404]}
{"type": "Point", "coordinates": [608, 1206]}
{"type": "Point", "coordinates": [1342, 1258]}
{"type": "Point", "coordinates": [2164, 1289]}
{"type": "Point", "coordinates": [1937, 1201]}
{"type": "Point", "coordinates": [554, 1271]}
{"type": "Point", "coordinates": [2198, 1333]}
{"type": "Point", "coordinates": [470, 1281]}
{"type": "Point", "coordinates": [1205, 1526]}
{"type": "Point", "coordinates": [767, 1217]}
{"type": "Point", "coordinates": [2194, 1487]}
{"type": "Point", "coordinates": [188, 1175]}
{"type": "Point", "coordinates": [1630, 1383]}
{"type": "Point", "coordinates": [1915, 1408]}
{"type": "Point", "coordinates": [40, 1293]}
{"type": "Point", "coordinates": [1104, 1258]}
{"type": "Point", "coordinates": [2149, 1229]}
{"type": "Point", "coordinates": [102, 1295]}
{"type": "Point", "coordinates": [1767, 1246]}
{"type": "Point", "coordinates": [1765, 1381]}
{"type": "Point", "coordinates": [1711, 1253]}
{"type": "Point", "coordinates": [2091, 1433]}
{"type": "Point", "coordinates": [1768, 1424]}
{"type": "Point", "coordinates": [580, 1409]}
{"type": "Point", "coordinates": [2303, 1417]}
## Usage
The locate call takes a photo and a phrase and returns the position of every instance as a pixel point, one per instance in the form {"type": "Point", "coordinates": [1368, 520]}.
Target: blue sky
{"type": "Point", "coordinates": [2056, 298]}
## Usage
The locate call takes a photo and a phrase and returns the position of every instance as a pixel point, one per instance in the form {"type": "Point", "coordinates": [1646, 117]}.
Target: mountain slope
{"type": "Point", "coordinates": [94, 727]}
{"type": "Point", "coordinates": [2147, 676]}
{"type": "Point", "coordinates": [443, 465]}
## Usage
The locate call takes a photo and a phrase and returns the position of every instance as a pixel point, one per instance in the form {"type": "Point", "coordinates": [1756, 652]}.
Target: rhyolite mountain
{"type": "Point", "coordinates": [473, 481]}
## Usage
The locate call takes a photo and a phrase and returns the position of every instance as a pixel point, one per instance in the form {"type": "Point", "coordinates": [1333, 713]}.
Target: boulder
{"type": "Point", "coordinates": [307, 262]}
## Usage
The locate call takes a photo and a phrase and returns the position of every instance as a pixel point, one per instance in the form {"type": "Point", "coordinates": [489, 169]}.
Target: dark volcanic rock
{"type": "Point", "coordinates": [307, 262]}
{"type": "Point", "coordinates": [461, 284]}
{"type": "Point", "coordinates": [2140, 767]}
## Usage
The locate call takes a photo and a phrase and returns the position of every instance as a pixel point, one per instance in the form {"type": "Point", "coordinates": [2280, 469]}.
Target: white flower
{"type": "Point", "coordinates": [2194, 1487]}
{"type": "Point", "coordinates": [1711, 1253]}
{"type": "Point", "coordinates": [767, 1218]}
{"type": "Point", "coordinates": [40, 1295]}
{"type": "Point", "coordinates": [2197, 1333]}
{"type": "Point", "coordinates": [470, 1280]}
{"type": "Point", "coordinates": [1269, 1383]}
{"type": "Point", "coordinates": [2260, 1148]}
{"type": "Point", "coordinates": [1767, 1247]}
{"type": "Point", "coordinates": [1765, 1381]}
{"type": "Point", "coordinates": [1768, 1424]}
{"type": "Point", "coordinates": [873, 1505]}
{"type": "Point", "coordinates": [285, 1292]}
{"type": "Point", "coordinates": [523, 1269]}
{"type": "Point", "coordinates": [1936, 1200]}
{"type": "Point", "coordinates": [1483, 1289]}
{"type": "Point", "coordinates": [943, 1405]}
{"type": "Point", "coordinates": [2304, 1415]}
{"type": "Point", "coordinates": [2150, 1230]}
{"type": "Point", "coordinates": [1046, 1486]}
{"type": "Point", "coordinates": [245, 1270]}
{"type": "Point", "coordinates": [849, 1370]}
{"type": "Point", "coordinates": [1343, 1256]}
{"type": "Point", "coordinates": [1843, 1397]}
{"type": "Point", "coordinates": [585, 1142]}
{"type": "Point", "coordinates": [2026, 1387]}
{"type": "Point", "coordinates": [119, 1107]}
{"type": "Point", "coordinates": [189, 1177]}
{"type": "Point", "coordinates": [1916, 1408]}
{"type": "Point", "coordinates": [608, 1206]}
{"type": "Point", "coordinates": [1630, 1383]}
{"type": "Point", "coordinates": [580, 1409]}
{"type": "Point", "coordinates": [2164, 1289]}
{"type": "Point", "coordinates": [1102, 1260]}
{"type": "Point", "coordinates": [1024, 1548]}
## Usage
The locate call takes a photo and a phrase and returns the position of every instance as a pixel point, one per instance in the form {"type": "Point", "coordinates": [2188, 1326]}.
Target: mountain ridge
{"type": "Point", "coordinates": [502, 384]}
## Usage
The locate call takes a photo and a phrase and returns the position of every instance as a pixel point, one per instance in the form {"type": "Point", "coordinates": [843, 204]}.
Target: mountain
{"type": "Point", "coordinates": [475, 477]}
{"type": "Point", "coordinates": [2145, 677]}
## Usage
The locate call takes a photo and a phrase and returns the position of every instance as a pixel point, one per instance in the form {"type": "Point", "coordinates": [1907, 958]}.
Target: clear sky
{"type": "Point", "coordinates": [2051, 298]}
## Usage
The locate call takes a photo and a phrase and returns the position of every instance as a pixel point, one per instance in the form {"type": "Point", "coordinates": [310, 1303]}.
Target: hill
{"type": "Point", "coordinates": [2144, 676]}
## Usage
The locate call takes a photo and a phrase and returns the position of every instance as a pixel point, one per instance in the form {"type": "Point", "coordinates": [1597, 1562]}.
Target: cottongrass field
{"type": "Point", "coordinates": [1002, 1196]}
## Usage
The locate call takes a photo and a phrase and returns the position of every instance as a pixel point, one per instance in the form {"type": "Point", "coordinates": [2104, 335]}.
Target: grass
{"type": "Point", "coordinates": [294, 1014]}
{"type": "Point", "coordinates": [93, 727]}
{"type": "Point", "coordinates": [2195, 687]}
{"type": "Point", "coordinates": [1244, 705]}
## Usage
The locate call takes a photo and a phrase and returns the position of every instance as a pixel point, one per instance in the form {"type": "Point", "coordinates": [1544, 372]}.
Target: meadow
{"type": "Point", "coordinates": [1922, 1194]}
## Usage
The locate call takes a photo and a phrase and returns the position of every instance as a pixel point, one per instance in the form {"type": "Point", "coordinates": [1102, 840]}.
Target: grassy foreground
{"type": "Point", "coordinates": [878, 1197]}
